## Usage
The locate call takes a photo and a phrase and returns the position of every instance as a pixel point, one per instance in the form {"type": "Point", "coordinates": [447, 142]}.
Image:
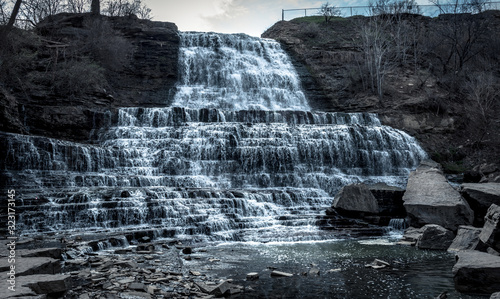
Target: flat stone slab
{"type": "Point", "coordinates": [32, 265]}
{"type": "Point", "coordinates": [430, 199]}
{"type": "Point", "coordinates": [467, 238]}
{"type": "Point", "coordinates": [55, 253]}
{"type": "Point", "coordinates": [490, 234]}
{"type": "Point", "coordinates": [281, 274]}
{"type": "Point", "coordinates": [34, 285]}
{"type": "Point", "coordinates": [480, 197]}
{"type": "Point", "coordinates": [477, 272]}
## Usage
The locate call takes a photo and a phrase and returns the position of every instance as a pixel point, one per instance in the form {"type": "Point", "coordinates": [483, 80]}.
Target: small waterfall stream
{"type": "Point", "coordinates": [238, 156]}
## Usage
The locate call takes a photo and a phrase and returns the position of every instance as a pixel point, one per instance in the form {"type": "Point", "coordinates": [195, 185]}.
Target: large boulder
{"type": "Point", "coordinates": [389, 199]}
{"type": "Point", "coordinates": [430, 199]}
{"type": "Point", "coordinates": [477, 272]}
{"type": "Point", "coordinates": [490, 234]}
{"type": "Point", "coordinates": [355, 199]}
{"type": "Point", "coordinates": [480, 197]}
{"type": "Point", "coordinates": [377, 204]}
{"type": "Point", "coordinates": [467, 239]}
{"type": "Point", "coordinates": [435, 237]}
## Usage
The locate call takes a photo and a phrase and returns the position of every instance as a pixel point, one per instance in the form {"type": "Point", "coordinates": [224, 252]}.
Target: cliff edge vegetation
{"type": "Point", "coordinates": [436, 78]}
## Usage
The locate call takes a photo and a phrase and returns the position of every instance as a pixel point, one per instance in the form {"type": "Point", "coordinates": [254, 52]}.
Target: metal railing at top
{"type": "Point", "coordinates": [430, 10]}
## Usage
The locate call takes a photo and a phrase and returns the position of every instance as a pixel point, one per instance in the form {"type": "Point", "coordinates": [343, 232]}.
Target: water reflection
{"type": "Point", "coordinates": [413, 273]}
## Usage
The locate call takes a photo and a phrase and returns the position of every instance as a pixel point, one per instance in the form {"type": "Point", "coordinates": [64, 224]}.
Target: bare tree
{"type": "Point", "coordinates": [77, 6]}
{"type": "Point", "coordinates": [389, 37]}
{"type": "Point", "coordinates": [457, 40]}
{"type": "Point", "coordinates": [4, 18]}
{"type": "Point", "coordinates": [328, 11]}
{"type": "Point", "coordinates": [116, 8]}
{"type": "Point", "coordinates": [483, 94]}
{"type": "Point", "coordinates": [376, 47]}
{"type": "Point", "coordinates": [460, 6]}
{"type": "Point", "coordinates": [13, 15]}
{"type": "Point", "coordinates": [95, 7]}
{"type": "Point", "coordinates": [34, 11]}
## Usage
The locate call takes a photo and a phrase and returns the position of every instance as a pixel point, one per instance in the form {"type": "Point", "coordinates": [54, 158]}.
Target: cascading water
{"type": "Point", "coordinates": [236, 72]}
{"type": "Point", "coordinates": [238, 156]}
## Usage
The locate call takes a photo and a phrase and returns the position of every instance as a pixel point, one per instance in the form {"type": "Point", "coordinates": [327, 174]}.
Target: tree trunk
{"type": "Point", "coordinates": [13, 15]}
{"type": "Point", "coordinates": [95, 7]}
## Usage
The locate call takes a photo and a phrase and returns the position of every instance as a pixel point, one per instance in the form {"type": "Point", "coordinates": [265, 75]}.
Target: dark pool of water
{"type": "Point", "coordinates": [414, 274]}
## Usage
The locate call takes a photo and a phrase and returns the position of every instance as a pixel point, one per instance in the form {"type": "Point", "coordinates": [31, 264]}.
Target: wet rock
{"type": "Point", "coordinates": [32, 266]}
{"type": "Point", "coordinates": [225, 289]}
{"type": "Point", "coordinates": [135, 295]}
{"type": "Point", "coordinates": [148, 247]}
{"type": "Point", "coordinates": [187, 250]}
{"type": "Point", "coordinates": [144, 239]}
{"type": "Point", "coordinates": [55, 253]}
{"type": "Point", "coordinates": [467, 238]}
{"type": "Point", "coordinates": [313, 272]}
{"type": "Point", "coordinates": [492, 251]}
{"type": "Point", "coordinates": [45, 284]}
{"type": "Point", "coordinates": [131, 264]}
{"type": "Point", "coordinates": [389, 199]}
{"type": "Point", "coordinates": [378, 264]}
{"type": "Point", "coordinates": [126, 280]}
{"type": "Point", "coordinates": [151, 289]}
{"type": "Point", "coordinates": [252, 276]}
{"type": "Point", "coordinates": [472, 176]}
{"type": "Point", "coordinates": [487, 168]}
{"type": "Point", "coordinates": [495, 295]}
{"type": "Point", "coordinates": [477, 272]}
{"type": "Point", "coordinates": [411, 236]}
{"type": "Point", "coordinates": [125, 194]}
{"type": "Point", "coordinates": [137, 286]}
{"type": "Point", "coordinates": [355, 200]}
{"type": "Point", "coordinates": [281, 274]}
{"type": "Point", "coordinates": [443, 295]}
{"type": "Point", "coordinates": [435, 237]}
{"type": "Point", "coordinates": [203, 287]}
{"type": "Point", "coordinates": [221, 289]}
{"type": "Point", "coordinates": [194, 273]}
{"type": "Point", "coordinates": [490, 233]}
{"type": "Point", "coordinates": [123, 251]}
{"type": "Point", "coordinates": [430, 199]}
{"type": "Point", "coordinates": [72, 254]}
{"type": "Point", "coordinates": [480, 197]}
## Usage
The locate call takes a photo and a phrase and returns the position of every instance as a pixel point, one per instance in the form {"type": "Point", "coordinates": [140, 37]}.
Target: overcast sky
{"type": "Point", "coordinates": [252, 17]}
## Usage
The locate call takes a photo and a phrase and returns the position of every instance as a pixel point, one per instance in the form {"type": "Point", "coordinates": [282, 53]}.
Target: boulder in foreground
{"type": "Point", "coordinates": [477, 272]}
{"type": "Point", "coordinates": [467, 239]}
{"type": "Point", "coordinates": [435, 237]}
{"type": "Point", "coordinates": [480, 197]}
{"type": "Point", "coordinates": [490, 234]}
{"type": "Point", "coordinates": [430, 199]}
{"type": "Point", "coordinates": [355, 199]}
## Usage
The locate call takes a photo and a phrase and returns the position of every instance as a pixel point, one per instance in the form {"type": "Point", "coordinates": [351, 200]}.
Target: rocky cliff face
{"type": "Point", "coordinates": [138, 63]}
{"type": "Point", "coordinates": [419, 102]}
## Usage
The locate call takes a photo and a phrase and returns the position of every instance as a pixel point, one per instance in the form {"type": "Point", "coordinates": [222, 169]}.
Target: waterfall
{"type": "Point", "coordinates": [239, 155]}
{"type": "Point", "coordinates": [236, 72]}
{"type": "Point", "coordinates": [397, 225]}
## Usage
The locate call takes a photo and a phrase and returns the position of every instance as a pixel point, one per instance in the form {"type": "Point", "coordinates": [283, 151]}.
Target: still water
{"type": "Point", "coordinates": [413, 273]}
